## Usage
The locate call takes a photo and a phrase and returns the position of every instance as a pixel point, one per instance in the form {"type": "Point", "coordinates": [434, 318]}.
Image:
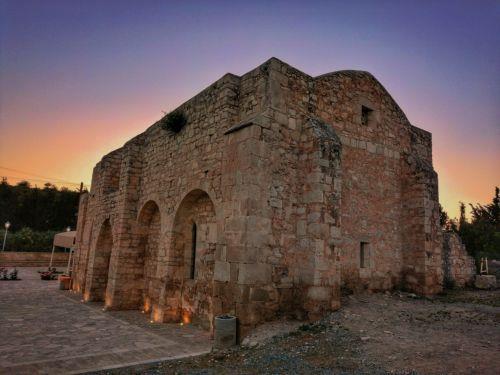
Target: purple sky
{"type": "Point", "coordinates": [78, 78]}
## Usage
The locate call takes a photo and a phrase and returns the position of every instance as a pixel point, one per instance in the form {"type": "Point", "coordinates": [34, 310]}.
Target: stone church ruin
{"type": "Point", "coordinates": [279, 190]}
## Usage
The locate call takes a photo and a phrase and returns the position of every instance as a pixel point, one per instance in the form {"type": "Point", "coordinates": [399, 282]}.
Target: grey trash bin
{"type": "Point", "coordinates": [225, 331]}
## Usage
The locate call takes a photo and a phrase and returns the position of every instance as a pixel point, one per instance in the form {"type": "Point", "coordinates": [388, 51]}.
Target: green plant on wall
{"type": "Point", "coordinates": [174, 121]}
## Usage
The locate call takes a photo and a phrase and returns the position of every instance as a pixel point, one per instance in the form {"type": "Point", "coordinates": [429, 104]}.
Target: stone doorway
{"type": "Point", "coordinates": [97, 280]}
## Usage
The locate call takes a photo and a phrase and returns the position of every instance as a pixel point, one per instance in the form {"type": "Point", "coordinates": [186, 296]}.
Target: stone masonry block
{"type": "Point", "coordinates": [254, 273]}
{"type": "Point", "coordinates": [222, 271]}
{"type": "Point", "coordinates": [319, 293]}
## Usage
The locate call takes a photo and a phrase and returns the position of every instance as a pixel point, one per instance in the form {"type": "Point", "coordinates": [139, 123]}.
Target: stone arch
{"type": "Point", "coordinates": [97, 280]}
{"type": "Point", "coordinates": [189, 287]}
{"type": "Point", "coordinates": [149, 225]}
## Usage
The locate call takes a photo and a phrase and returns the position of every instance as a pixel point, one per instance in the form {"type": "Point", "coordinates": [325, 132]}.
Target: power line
{"type": "Point", "coordinates": [40, 180]}
{"type": "Point", "coordinates": [37, 175]}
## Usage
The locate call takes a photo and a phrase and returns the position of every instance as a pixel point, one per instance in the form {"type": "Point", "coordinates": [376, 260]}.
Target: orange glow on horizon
{"type": "Point", "coordinates": [68, 156]}
{"type": "Point", "coordinates": [470, 178]}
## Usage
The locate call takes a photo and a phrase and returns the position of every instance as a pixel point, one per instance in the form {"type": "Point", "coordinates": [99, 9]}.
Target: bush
{"type": "Point", "coordinates": [27, 239]}
{"type": "Point", "coordinates": [174, 121]}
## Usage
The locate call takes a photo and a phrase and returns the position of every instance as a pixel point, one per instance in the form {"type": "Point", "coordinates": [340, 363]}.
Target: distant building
{"type": "Point", "coordinates": [280, 190]}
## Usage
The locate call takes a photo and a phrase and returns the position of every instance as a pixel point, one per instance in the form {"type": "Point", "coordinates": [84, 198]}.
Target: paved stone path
{"type": "Point", "coordinates": [45, 330]}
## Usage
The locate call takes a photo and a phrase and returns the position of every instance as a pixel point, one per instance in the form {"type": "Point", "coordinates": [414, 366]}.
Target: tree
{"type": "Point", "coordinates": [481, 235]}
{"type": "Point", "coordinates": [48, 208]}
{"type": "Point", "coordinates": [446, 223]}
{"type": "Point", "coordinates": [489, 213]}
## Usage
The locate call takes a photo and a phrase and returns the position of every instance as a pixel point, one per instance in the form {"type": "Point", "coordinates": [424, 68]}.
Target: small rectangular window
{"type": "Point", "coordinates": [363, 254]}
{"type": "Point", "coordinates": [192, 271]}
{"type": "Point", "coordinates": [366, 114]}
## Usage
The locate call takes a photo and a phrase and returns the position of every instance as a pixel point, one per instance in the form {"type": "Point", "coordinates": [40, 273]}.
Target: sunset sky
{"type": "Point", "coordinates": [79, 78]}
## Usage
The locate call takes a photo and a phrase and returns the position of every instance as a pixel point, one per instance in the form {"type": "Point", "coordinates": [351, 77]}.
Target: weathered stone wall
{"type": "Point", "coordinates": [295, 185]}
{"type": "Point", "coordinates": [32, 259]}
{"type": "Point", "coordinates": [458, 266]}
{"type": "Point", "coordinates": [371, 178]}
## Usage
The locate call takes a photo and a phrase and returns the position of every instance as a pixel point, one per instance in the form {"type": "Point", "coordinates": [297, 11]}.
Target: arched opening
{"type": "Point", "coordinates": [150, 227]}
{"type": "Point", "coordinates": [100, 264]}
{"type": "Point", "coordinates": [194, 239]}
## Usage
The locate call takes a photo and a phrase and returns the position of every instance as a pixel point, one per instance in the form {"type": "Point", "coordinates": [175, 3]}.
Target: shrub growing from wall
{"type": "Point", "coordinates": [174, 121]}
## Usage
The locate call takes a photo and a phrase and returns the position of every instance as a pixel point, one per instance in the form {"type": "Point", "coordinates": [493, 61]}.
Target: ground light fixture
{"type": "Point", "coordinates": [7, 226]}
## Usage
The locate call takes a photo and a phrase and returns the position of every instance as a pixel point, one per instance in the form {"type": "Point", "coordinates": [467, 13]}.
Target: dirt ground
{"type": "Point", "coordinates": [455, 333]}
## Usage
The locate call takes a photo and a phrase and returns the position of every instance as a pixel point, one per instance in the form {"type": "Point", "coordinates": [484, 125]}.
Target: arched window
{"type": "Point", "coordinates": [193, 251]}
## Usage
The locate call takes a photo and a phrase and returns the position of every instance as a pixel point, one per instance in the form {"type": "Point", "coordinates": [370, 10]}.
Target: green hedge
{"type": "Point", "coordinates": [27, 239]}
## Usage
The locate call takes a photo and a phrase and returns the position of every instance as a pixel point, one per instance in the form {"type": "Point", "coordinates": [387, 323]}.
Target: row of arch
{"type": "Point", "coordinates": [170, 272]}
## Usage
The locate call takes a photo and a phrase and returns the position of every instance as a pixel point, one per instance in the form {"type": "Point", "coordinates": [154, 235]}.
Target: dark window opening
{"type": "Point", "coordinates": [363, 252]}
{"type": "Point", "coordinates": [193, 251]}
{"type": "Point", "coordinates": [366, 114]}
